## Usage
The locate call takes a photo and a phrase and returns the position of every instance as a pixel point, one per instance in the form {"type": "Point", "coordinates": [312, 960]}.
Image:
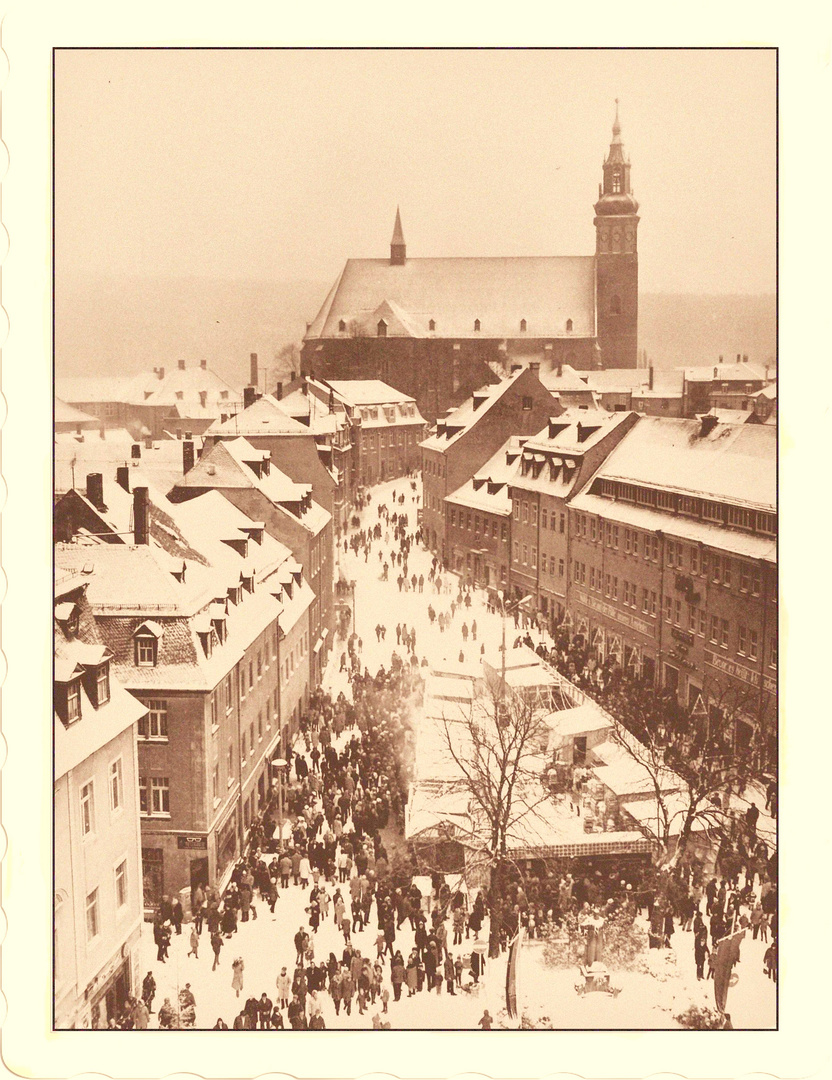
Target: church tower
{"type": "Point", "coordinates": [616, 259]}
{"type": "Point", "coordinates": [398, 249]}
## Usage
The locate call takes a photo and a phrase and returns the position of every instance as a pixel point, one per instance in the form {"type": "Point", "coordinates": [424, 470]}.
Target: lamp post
{"type": "Point", "coordinates": [280, 766]}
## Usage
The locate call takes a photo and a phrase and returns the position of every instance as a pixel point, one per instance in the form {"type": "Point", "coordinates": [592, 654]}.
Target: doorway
{"type": "Point", "coordinates": [199, 874]}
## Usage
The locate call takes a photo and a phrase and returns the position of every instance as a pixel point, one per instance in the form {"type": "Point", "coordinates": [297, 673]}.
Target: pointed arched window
{"type": "Point", "coordinates": [342, 326]}
{"type": "Point", "coordinates": [381, 329]}
{"type": "Point", "coordinates": [476, 324]}
{"type": "Point", "coordinates": [615, 305]}
{"type": "Point", "coordinates": [522, 326]}
{"type": "Point", "coordinates": [616, 182]}
{"type": "Point", "coordinates": [432, 324]}
{"type": "Point", "coordinates": [569, 326]}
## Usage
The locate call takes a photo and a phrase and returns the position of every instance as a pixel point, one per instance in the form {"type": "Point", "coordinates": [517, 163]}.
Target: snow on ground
{"type": "Point", "coordinates": [266, 944]}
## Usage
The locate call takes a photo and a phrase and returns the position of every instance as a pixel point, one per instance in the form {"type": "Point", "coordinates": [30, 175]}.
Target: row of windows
{"type": "Point", "coordinates": [739, 517]}
{"type": "Point", "coordinates": [522, 553]}
{"type": "Point", "coordinates": [382, 439]}
{"type": "Point", "coordinates": [472, 522]}
{"type": "Point", "coordinates": [526, 513]}
{"type": "Point", "coordinates": [381, 326]}
{"type": "Point", "coordinates": [433, 466]}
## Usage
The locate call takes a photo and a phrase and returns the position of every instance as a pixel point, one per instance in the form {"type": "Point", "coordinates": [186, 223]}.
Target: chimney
{"type": "Point", "coordinates": [534, 367]}
{"type": "Point", "coordinates": [745, 358]}
{"type": "Point", "coordinates": [304, 388]}
{"type": "Point", "coordinates": [650, 378]}
{"type": "Point", "coordinates": [161, 372]}
{"type": "Point", "coordinates": [292, 377]}
{"type": "Point", "coordinates": [203, 364]}
{"type": "Point", "coordinates": [187, 455]}
{"type": "Point", "coordinates": [253, 379]}
{"type": "Point", "coordinates": [708, 425]}
{"type": "Point", "coordinates": [123, 477]}
{"type": "Point", "coordinates": [148, 442]}
{"type": "Point", "coordinates": [95, 490]}
{"type": "Point", "coordinates": [203, 398]}
{"type": "Point", "coordinates": [181, 365]}
{"type": "Point", "coordinates": [279, 391]}
{"type": "Point", "coordinates": [738, 357]}
{"type": "Point", "coordinates": [223, 417]}
{"type": "Point", "coordinates": [560, 370]}
{"type": "Point", "coordinates": [136, 451]}
{"type": "Point", "coordinates": [248, 397]}
{"type": "Point", "coordinates": [515, 367]}
{"type": "Point", "coordinates": [716, 371]}
{"type": "Point", "coordinates": [188, 435]}
{"type": "Point", "coordinates": [140, 515]}
{"type": "Point", "coordinates": [720, 358]}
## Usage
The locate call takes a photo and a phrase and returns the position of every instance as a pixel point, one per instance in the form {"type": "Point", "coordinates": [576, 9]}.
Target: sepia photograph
{"type": "Point", "coordinates": [415, 532]}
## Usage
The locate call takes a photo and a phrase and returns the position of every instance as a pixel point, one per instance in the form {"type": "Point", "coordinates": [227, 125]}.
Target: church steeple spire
{"type": "Point", "coordinates": [398, 248]}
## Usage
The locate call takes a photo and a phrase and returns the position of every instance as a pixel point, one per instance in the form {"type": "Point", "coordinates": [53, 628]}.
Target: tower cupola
{"type": "Point", "coordinates": [615, 195]}
{"type": "Point", "coordinates": [398, 248]}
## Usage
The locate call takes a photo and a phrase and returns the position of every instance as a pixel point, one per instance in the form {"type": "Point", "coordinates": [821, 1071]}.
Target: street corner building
{"type": "Point", "coordinates": [438, 328]}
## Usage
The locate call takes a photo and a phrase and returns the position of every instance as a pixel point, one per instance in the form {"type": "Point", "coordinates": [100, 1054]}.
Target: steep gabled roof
{"type": "Point", "coordinates": [546, 291]}
{"type": "Point", "coordinates": [265, 417]}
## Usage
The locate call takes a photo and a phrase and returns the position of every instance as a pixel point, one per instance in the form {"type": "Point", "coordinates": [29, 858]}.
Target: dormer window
{"type": "Point", "coordinates": [73, 701]}
{"type": "Point", "coordinates": [432, 324]}
{"type": "Point", "coordinates": [146, 644]}
{"type": "Point", "coordinates": [381, 329]}
{"type": "Point", "coordinates": [206, 640]}
{"type": "Point", "coordinates": [569, 326]}
{"type": "Point", "coordinates": [179, 395]}
{"type": "Point", "coordinates": [248, 583]}
{"type": "Point", "coordinates": [342, 326]}
{"type": "Point", "coordinates": [522, 326]}
{"type": "Point", "coordinates": [101, 684]}
{"type": "Point", "coordinates": [476, 324]}
{"type": "Point", "coordinates": [67, 614]}
{"type": "Point", "coordinates": [223, 395]}
{"type": "Point", "coordinates": [218, 624]}
{"type": "Point", "coordinates": [145, 650]}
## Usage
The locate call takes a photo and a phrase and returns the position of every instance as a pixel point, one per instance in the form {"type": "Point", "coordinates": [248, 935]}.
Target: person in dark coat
{"type": "Point", "coordinates": [149, 991]}
{"type": "Point", "coordinates": [177, 914]}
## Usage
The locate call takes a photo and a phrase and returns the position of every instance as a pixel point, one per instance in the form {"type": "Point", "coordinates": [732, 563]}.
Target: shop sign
{"type": "Point", "coordinates": [192, 843]}
{"type": "Point", "coordinates": [738, 671]}
{"type": "Point", "coordinates": [612, 613]}
{"type": "Point", "coordinates": [682, 635]}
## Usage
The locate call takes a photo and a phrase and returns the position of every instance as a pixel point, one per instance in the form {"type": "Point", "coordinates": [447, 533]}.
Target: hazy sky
{"type": "Point", "coordinates": [269, 165]}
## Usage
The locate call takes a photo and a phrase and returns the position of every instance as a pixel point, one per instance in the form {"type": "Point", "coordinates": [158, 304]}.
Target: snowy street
{"type": "Point", "coordinates": [547, 995]}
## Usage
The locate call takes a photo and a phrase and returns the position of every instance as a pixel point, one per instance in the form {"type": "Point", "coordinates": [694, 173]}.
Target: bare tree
{"type": "Point", "coordinates": [495, 747]}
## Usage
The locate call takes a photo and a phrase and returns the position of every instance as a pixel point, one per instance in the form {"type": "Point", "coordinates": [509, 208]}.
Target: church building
{"type": "Point", "coordinates": [438, 329]}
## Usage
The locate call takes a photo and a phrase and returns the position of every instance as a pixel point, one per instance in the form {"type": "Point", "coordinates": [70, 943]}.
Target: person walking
{"type": "Point", "coordinates": [194, 943]}
{"type": "Point", "coordinates": [149, 991]}
{"type": "Point", "coordinates": [238, 967]}
{"type": "Point", "coordinates": [700, 948]}
{"type": "Point", "coordinates": [216, 945]}
{"type": "Point", "coordinates": [284, 987]}
{"type": "Point", "coordinates": [450, 974]}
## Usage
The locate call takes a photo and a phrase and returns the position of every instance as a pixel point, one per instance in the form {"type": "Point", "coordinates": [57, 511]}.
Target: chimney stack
{"type": "Point", "coordinates": [738, 357]}
{"type": "Point", "coordinates": [560, 369]}
{"type": "Point", "coordinates": [95, 490]}
{"type": "Point", "coordinates": [248, 397]}
{"type": "Point", "coordinates": [650, 378]}
{"type": "Point", "coordinates": [745, 358]}
{"type": "Point", "coordinates": [720, 358]}
{"type": "Point", "coordinates": [148, 442]}
{"type": "Point", "coordinates": [279, 391]}
{"type": "Point", "coordinates": [123, 477]}
{"type": "Point", "coordinates": [187, 454]}
{"type": "Point", "coordinates": [708, 424]}
{"type": "Point", "coordinates": [203, 398]}
{"type": "Point", "coordinates": [161, 373]}
{"type": "Point", "coordinates": [534, 367]}
{"type": "Point", "coordinates": [203, 364]}
{"type": "Point", "coordinates": [223, 417]}
{"type": "Point", "coordinates": [181, 365]}
{"type": "Point", "coordinates": [253, 379]}
{"type": "Point", "coordinates": [292, 377]}
{"type": "Point", "coordinates": [136, 451]}
{"type": "Point", "coordinates": [140, 515]}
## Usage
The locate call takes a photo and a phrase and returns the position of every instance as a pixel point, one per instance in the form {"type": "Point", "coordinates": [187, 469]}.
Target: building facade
{"type": "Point", "coordinates": [97, 882]}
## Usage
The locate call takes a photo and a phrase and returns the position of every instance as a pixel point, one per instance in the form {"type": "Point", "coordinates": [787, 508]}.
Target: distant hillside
{"type": "Point", "coordinates": [685, 330]}
{"type": "Point", "coordinates": [136, 323]}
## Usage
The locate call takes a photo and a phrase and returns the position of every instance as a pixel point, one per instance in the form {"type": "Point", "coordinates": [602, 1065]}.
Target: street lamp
{"type": "Point", "coordinates": [280, 766]}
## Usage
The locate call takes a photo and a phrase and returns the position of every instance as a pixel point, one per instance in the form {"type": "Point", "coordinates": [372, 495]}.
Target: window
{"type": "Point", "coordinates": [723, 637]}
{"type": "Point", "coordinates": [155, 724]}
{"type": "Point", "coordinates": [87, 809]}
{"type": "Point", "coordinates": [677, 612]}
{"type": "Point", "coordinates": [562, 523]}
{"type": "Point", "coordinates": [668, 609]}
{"type": "Point", "coordinates": [453, 517]}
{"type": "Point", "coordinates": [516, 510]}
{"type": "Point", "coordinates": [753, 645]}
{"type": "Point", "coordinates": [694, 560]}
{"type": "Point", "coordinates": [561, 567]}
{"type": "Point", "coordinates": [154, 796]}
{"type": "Point", "coordinates": [525, 513]}
{"type": "Point", "coordinates": [711, 511]}
{"type": "Point", "coordinates": [230, 761]}
{"type": "Point", "coordinates": [616, 182]}
{"type": "Point", "coordinates": [93, 923]}
{"type": "Point", "coordinates": [476, 324]}
{"type": "Point", "coordinates": [228, 694]}
{"type": "Point", "coordinates": [73, 700]}
{"type": "Point", "coordinates": [493, 530]}
{"type": "Point", "coordinates": [645, 600]}
{"type": "Point", "coordinates": [627, 541]}
{"type": "Point", "coordinates": [116, 786]}
{"type": "Point", "coordinates": [756, 581]}
{"type": "Point", "coordinates": [528, 403]}
{"type": "Point", "coordinates": [102, 684]}
{"type": "Point", "coordinates": [525, 555]}
{"type": "Point", "coordinates": [504, 531]}
{"type": "Point", "coordinates": [606, 584]}
{"type": "Point", "coordinates": [534, 557]}
{"type": "Point", "coordinates": [381, 328]}
{"type": "Point", "coordinates": [342, 326]}
{"type": "Point", "coordinates": [593, 523]}
{"type": "Point", "coordinates": [250, 674]}
{"type": "Point", "coordinates": [522, 326]}
{"type": "Point", "coordinates": [121, 884]}
{"type": "Point", "coordinates": [726, 572]}
{"type": "Point", "coordinates": [432, 324]}
{"type": "Point", "coordinates": [615, 588]}
{"type": "Point", "coordinates": [544, 562]}
{"type": "Point", "coordinates": [716, 568]}
{"type": "Point", "coordinates": [251, 737]}
{"type": "Point", "coordinates": [772, 651]}
{"type": "Point", "coordinates": [534, 513]}
{"type": "Point", "coordinates": [215, 787]}
{"type": "Point", "coordinates": [714, 635]}
{"type": "Point", "coordinates": [569, 326]}
{"type": "Point", "coordinates": [635, 542]}
{"type": "Point", "coordinates": [516, 553]}
{"type": "Point", "coordinates": [145, 650]}
{"type": "Point", "coordinates": [615, 537]}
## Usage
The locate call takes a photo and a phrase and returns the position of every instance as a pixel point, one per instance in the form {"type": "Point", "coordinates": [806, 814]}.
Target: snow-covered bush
{"type": "Point", "coordinates": [700, 1018]}
{"type": "Point", "coordinates": [625, 942]}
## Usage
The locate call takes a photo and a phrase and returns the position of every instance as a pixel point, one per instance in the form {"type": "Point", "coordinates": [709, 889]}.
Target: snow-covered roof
{"type": "Point", "coordinates": [66, 416]}
{"type": "Point", "coordinates": [265, 417]}
{"type": "Point", "coordinates": [544, 291]}
{"type": "Point", "coordinates": [742, 372]}
{"type": "Point", "coordinates": [732, 462]}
